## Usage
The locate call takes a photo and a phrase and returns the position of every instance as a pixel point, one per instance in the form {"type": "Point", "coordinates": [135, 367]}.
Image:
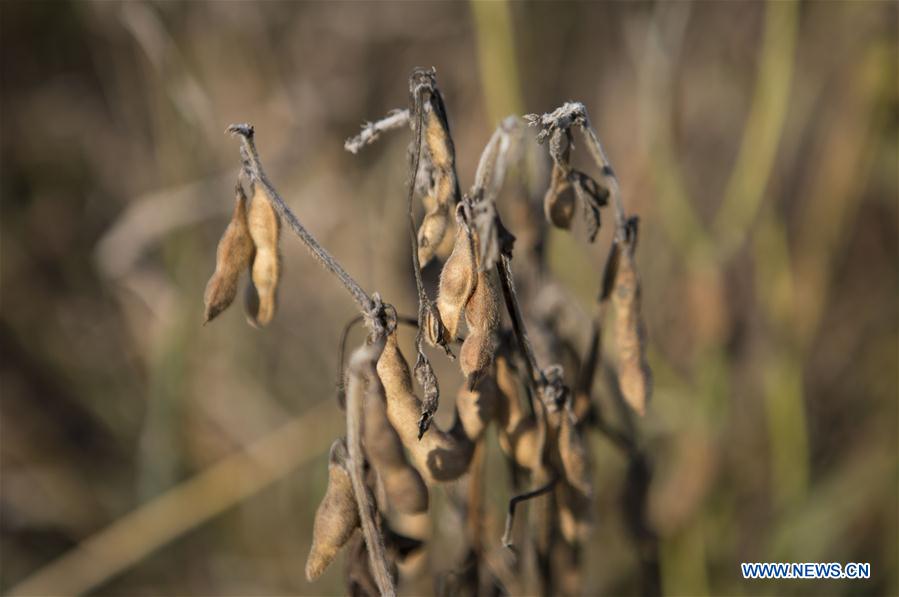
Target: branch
{"type": "Point", "coordinates": [371, 307]}
{"type": "Point", "coordinates": [372, 130]}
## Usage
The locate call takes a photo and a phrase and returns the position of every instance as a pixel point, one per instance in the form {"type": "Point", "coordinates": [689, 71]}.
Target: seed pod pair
{"type": "Point", "coordinates": [337, 515]}
{"type": "Point", "coordinates": [234, 253]}
{"type": "Point", "coordinates": [634, 375]}
{"type": "Point", "coordinates": [475, 294]}
{"type": "Point", "coordinates": [405, 488]}
{"type": "Point", "coordinates": [249, 241]}
{"type": "Point", "coordinates": [438, 456]}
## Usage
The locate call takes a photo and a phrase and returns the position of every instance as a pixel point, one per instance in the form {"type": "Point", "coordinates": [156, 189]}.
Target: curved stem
{"type": "Point", "coordinates": [362, 369]}
{"type": "Point", "coordinates": [253, 166]}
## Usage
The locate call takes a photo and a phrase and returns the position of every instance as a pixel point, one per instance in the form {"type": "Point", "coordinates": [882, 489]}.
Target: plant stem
{"type": "Point", "coordinates": [372, 130]}
{"type": "Point", "coordinates": [513, 503]}
{"type": "Point", "coordinates": [253, 166]}
{"type": "Point", "coordinates": [362, 370]}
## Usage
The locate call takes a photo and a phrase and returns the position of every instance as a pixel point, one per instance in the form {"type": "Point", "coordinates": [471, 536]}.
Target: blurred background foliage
{"type": "Point", "coordinates": [757, 142]}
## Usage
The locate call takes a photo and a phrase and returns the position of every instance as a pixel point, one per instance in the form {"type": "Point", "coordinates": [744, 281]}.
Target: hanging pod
{"type": "Point", "coordinates": [234, 253]}
{"type": "Point", "coordinates": [634, 375]}
{"type": "Point", "coordinates": [337, 515]}
{"type": "Point", "coordinates": [265, 272]}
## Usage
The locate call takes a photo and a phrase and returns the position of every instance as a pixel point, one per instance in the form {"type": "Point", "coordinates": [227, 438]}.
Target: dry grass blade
{"type": "Point", "coordinates": [189, 504]}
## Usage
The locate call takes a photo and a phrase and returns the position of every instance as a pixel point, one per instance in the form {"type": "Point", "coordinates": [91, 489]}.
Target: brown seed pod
{"type": "Point", "coordinates": [439, 456]}
{"type": "Point", "coordinates": [574, 455]}
{"type": "Point", "coordinates": [457, 282]}
{"type": "Point", "coordinates": [234, 253]}
{"type": "Point", "coordinates": [432, 229]}
{"type": "Point", "coordinates": [482, 315]}
{"type": "Point", "coordinates": [443, 191]}
{"type": "Point", "coordinates": [337, 515]}
{"type": "Point", "coordinates": [518, 433]}
{"type": "Point", "coordinates": [477, 407]}
{"type": "Point", "coordinates": [559, 201]}
{"type": "Point", "coordinates": [634, 375]}
{"type": "Point", "coordinates": [406, 491]}
{"type": "Point", "coordinates": [265, 229]}
{"type": "Point", "coordinates": [575, 513]}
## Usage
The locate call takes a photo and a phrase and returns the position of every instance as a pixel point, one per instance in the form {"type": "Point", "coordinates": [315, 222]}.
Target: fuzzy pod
{"type": "Point", "coordinates": [518, 433]}
{"type": "Point", "coordinates": [406, 491]}
{"type": "Point", "coordinates": [559, 201]}
{"type": "Point", "coordinates": [457, 282]}
{"type": "Point", "coordinates": [575, 456]}
{"type": "Point", "coordinates": [337, 516]}
{"type": "Point", "coordinates": [575, 513]}
{"type": "Point", "coordinates": [477, 407]}
{"type": "Point", "coordinates": [265, 229]}
{"type": "Point", "coordinates": [482, 315]}
{"type": "Point", "coordinates": [443, 189]}
{"type": "Point", "coordinates": [634, 375]}
{"type": "Point", "coordinates": [438, 456]}
{"type": "Point", "coordinates": [431, 232]}
{"type": "Point", "coordinates": [234, 253]}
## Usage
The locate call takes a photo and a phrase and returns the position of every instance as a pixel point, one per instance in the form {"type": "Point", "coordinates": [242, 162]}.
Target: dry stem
{"type": "Point", "coordinates": [370, 306]}
{"type": "Point", "coordinates": [372, 130]}
{"type": "Point", "coordinates": [362, 371]}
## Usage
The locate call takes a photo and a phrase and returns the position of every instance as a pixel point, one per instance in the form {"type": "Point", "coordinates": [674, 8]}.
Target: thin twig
{"type": "Point", "coordinates": [367, 305]}
{"type": "Point", "coordinates": [513, 504]}
{"type": "Point", "coordinates": [362, 371]}
{"type": "Point", "coordinates": [372, 130]}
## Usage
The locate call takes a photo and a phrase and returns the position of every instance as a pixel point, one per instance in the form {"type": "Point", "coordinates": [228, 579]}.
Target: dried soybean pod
{"type": "Point", "coordinates": [234, 253]}
{"type": "Point", "coordinates": [337, 515]}
{"type": "Point", "coordinates": [518, 434]}
{"type": "Point", "coordinates": [406, 491]}
{"type": "Point", "coordinates": [477, 407]}
{"type": "Point", "coordinates": [634, 375]}
{"type": "Point", "coordinates": [559, 201]}
{"type": "Point", "coordinates": [443, 193]}
{"type": "Point", "coordinates": [265, 229]}
{"type": "Point", "coordinates": [457, 282]}
{"type": "Point", "coordinates": [438, 455]}
{"type": "Point", "coordinates": [482, 315]}
{"type": "Point", "coordinates": [575, 455]}
{"type": "Point", "coordinates": [432, 229]}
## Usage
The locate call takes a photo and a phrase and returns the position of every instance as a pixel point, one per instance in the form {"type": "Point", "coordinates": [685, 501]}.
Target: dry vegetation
{"type": "Point", "coordinates": [542, 421]}
{"type": "Point", "coordinates": [485, 310]}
